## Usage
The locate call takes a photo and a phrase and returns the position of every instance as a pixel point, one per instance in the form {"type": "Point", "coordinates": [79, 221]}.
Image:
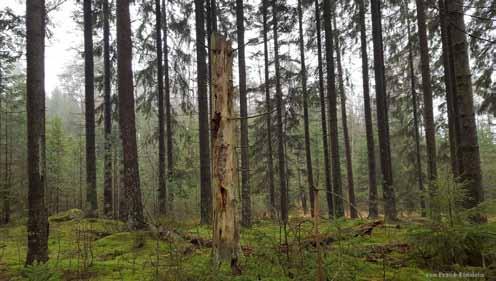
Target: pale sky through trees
{"type": "Point", "coordinates": [65, 37]}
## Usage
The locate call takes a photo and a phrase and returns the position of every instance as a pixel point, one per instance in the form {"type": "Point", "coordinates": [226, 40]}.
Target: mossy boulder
{"type": "Point", "coordinates": [69, 215]}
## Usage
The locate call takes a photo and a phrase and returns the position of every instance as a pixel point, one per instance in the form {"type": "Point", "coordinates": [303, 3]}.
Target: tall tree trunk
{"type": "Point", "coordinates": [162, 187]}
{"type": "Point", "coordinates": [332, 108]}
{"type": "Point", "coordinates": [280, 131]}
{"type": "Point", "coordinates": [268, 108]}
{"type": "Point", "coordinates": [243, 110]}
{"type": "Point", "coordinates": [369, 130]}
{"type": "Point", "coordinates": [37, 227]}
{"type": "Point", "coordinates": [325, 144]}
{"type": "Point", "coordinates": [9, 163]}
{"type": "Point", "coordinates": [205, 172]}
{"type": "Point", "coordinates": [450, 91]}
{"type": "Point", "coordinates": [382, 113]}
{"type": "Point", "coordinates": [418, 161]}
{"type": "Point", "coordinates": [346, 135]}
{"type": "Point", "coordinates": [127, 117]}
{"type": "Point", "coordinates": [429, 126]}
{"type": "Point", "coordinates": [468, 146]}
{"type": "Point", "coordinates": [226, 227]}
{"type": "Point", "coordinates": [168, 109]}
{"type": "Point", "coordinates": [303, 74]}
{"type": "Point", "coordinates": [107, 124]}
{"type": "Point", "coordinates": [6, 184]}
{"type": "Point", "coordinates": [89, 100]}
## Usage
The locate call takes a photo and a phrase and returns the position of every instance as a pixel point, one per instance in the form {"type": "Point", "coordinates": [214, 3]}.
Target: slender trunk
{"type": "Point", "coordinates": [9, 182]}
{"type": "Point", "coordinates": [268, 108]}
{"type": "Point", "coordinates": [123, 194]}
{"type": "Point", "coordinates": [107, 124]}
{"type": "Point", "coordinates": [418, 161]}
{"type": "Point", "coordinates": [303, 74]}
{"type": "Point", "coordinates": [115, 180]}
{"type": "Point", "coordinates": [162, 187]}
{"type": "Point", "coordinates": [226, 227]}
{"type": "Point", "coordinates": [205, 172]}
{"type": "Point", "coordinates": [382, 113]}
{"type": "Point", "coordinates": [301, 188]}
{"type": "Point", "coordinates": [448, 81]}
{"type": "Point", "coordinates": [280, 132]}
{"type": "Point", "coordinates": [168, 109]}
{"type": "Point", "coordinates": [243, 109]}
{"type": "Point", "coordinates": [6, 184]}
{"type": "Point", "coordinates": [346, 135]}
{"type": "Point", "coordinates": [89, 94]}
{"type": "Point", "coordinates": [127, 117]}
{"type": "Point", "coordinates": [332, 104]}
{"type": "Point", "coordinates": [369, 130]}
{"type": "Point", "coordinates": [325, 144]}
{"type": "Point", "coordinates": [429, 126]}
{"type": "Point", "coordinates": [37, 226]}
{"type": "Point", "coordinates": [468, 146]}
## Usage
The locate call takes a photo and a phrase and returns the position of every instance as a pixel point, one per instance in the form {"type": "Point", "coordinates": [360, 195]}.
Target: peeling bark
{"type": "Point", "coordinates": [226, 218]}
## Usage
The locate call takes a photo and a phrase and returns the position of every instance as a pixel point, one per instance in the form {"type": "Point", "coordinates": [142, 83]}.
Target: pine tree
{"type": "Point", "coordinates": [89, 104]}
{"type": "Point", "coordinates": [162, 188]}
{"type": "Point", "coordinates": [37, 227]}
{"type": "Point", "coordinates": [346, 135]}
{"type": "Point", "coordinates": [306, 126]}
{"type": "Point", "coordinates": [429, 126]}
{"type": "Point", "coordinates": [325, 144]}
{"type": "Point", "coordinates": [268, 107]}
{"type": "Point", "coordinates": [280, 132]}
{"type": "Point", "coordinates": [468, 147]}
{"type": "Point", "coordinates": [369, 130]}
{"type": "Point", "coordinates": [127, 117]}
{"type": "Point", "coordinates": [332, 109]}
{"type": "Point", "coordinates": [382, 113]}
{"type": "Point", "coordinates": [107, 124]}
{"type": "Point", "coordinates": [205, 172]}
{"type": "Point", "coordinates": [243, 106]}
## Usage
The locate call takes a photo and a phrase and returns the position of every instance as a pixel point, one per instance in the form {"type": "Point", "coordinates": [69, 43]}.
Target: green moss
{"type": "Point", "coordinates": [95, 249]}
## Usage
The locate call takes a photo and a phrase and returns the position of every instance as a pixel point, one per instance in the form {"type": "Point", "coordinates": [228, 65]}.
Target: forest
{"type": "Point", "coordinates": [192, 140]}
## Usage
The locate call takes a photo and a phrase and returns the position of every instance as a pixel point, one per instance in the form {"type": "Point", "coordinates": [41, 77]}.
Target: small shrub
{"type": "Point", "coordinates": [40, 272]}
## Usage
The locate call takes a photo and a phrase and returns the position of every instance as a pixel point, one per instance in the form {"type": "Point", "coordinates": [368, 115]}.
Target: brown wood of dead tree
{"type": "Point", "coordinates": [226, 218]}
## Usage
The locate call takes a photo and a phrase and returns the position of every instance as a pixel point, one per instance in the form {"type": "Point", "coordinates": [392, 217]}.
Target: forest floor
{"type": "Point", "coordinates": [98, 249]}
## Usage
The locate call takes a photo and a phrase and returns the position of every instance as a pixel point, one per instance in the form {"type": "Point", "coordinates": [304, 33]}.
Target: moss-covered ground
{"type": "Point", "coordinates": [98, 249]}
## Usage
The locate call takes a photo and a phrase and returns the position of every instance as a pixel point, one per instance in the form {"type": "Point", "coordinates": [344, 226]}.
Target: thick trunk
{"type": "Point", "coordinates": [168, 109]}
{"type": "Point", "coordinates": [89, 99]}
{"type": "Point", "coordinates": [127, 120]}
{"type": "Point", "coordinates": [373, 208]}
{"type": "Point", "coordinates": [325, 143]}
{"type": "Point", "coordinates": [429, 126]}
{"type": "Point", "coordinates": [280, 132]}
{"type": "Point", "coordinates": [382, 113]}
{"type": "Point", "coordinates": [306, 124]}
{"type": "Point", "coordinates": [468, 146]}
{"type": "Point", "coordinates": [107, 124]}
{"type": "Point", "coordinates": [332, 109]}
{"type": "Point", "coordinates": [37, 227]}
{"type": "Point", "coordinates": [226, 227]}
{"type": "Point", "coordinates": [205, 172]}
{"type": "Point", "coordinates": [243, 110]}
{"type": "Point", "coordinates": [450, 91]}
{"type": "Point", "coordinates": [162, 186]}
{"type": "Point", "coordinates": [346, 135]}
{"type": "Point", "coordinates": [268, 108]}
{"type": "Point", "coordinates": [418, 161]}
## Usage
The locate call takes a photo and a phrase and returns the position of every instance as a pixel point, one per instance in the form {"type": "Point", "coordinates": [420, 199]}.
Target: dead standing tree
{"type": "Point", "coordinates": [226, 219]}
